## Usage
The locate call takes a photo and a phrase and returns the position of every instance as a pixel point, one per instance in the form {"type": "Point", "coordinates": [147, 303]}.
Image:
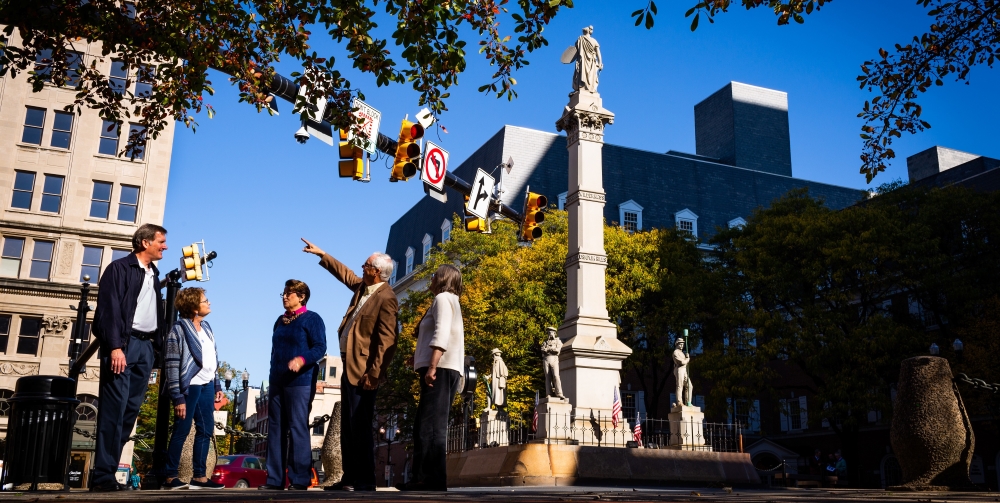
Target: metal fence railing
{"type": "Point", "coordinates": [597, 431]}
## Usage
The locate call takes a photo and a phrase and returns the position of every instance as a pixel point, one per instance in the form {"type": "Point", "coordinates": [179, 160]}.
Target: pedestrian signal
{"type": "Point", "coordinates": [533, 206]}
{"type": "Point", "coordinates": [352, 161]}
{"type": "Point", "coordinates": [407, 151]}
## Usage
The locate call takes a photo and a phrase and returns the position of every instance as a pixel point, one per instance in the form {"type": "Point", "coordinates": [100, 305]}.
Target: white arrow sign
{"type": "Point", "coordinates": [435, 166]}
{"type": "Point", "coordinates": [479, 200]}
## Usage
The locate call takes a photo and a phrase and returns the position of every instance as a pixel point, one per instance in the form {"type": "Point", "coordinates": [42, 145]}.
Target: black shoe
{"type": "Point", "coordinates": [176, 483]}
{"type": "Point", "coordinates": [107, 488]}
{"type": "Point", "coordinates": [340, 486]}
{"type": "Point", "coordinates": [269, 487]}
{"type": "Point", "coordinates": [298, 487]}
{"type": "Point", "coordinates": [419, 486]}
{"type": "Point", "coordinates": [208, 484]}
{"type": "Point", "coordinates": [369, 487]}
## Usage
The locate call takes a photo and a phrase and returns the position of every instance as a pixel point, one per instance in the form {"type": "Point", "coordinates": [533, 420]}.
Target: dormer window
{"type": "Point", "coordinates": [409, 260]}
{"type": "Point", "coordinates": [445, 230]}
{"type": "Point", "coordinates": [562, 200]}
{"type": "Point", "coordinates": [630, 215]}
{"type": "Point", "coordinates": [686, 221]}
{"type": "Point", "coordinates": [737, 222]}
{"type": "Point", "coordinates": [427, 241]}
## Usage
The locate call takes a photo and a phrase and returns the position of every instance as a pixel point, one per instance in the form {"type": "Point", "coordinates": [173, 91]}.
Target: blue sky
{"type": "Point", "coordinates": [250, 191]}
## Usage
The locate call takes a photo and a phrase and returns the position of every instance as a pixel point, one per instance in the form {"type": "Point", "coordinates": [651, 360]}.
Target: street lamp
{"type": "Point", "coordinates": [935, 350]}
{"type": "Point", "coordinates": [236, 396]}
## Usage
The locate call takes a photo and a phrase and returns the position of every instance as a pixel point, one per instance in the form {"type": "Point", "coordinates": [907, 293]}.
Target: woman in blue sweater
{"type": "Point", "coordinates": [299, 341]}
{"type": "Point", "coordinates": [191, 364]}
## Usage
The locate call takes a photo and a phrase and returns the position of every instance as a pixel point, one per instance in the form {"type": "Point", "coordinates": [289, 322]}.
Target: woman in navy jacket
{"type": "Point", "coordinates": [298, 343]}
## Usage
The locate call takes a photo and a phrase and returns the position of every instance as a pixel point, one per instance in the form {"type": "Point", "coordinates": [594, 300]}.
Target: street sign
{"type": "Point", "coordinates": [482, 189]}
{"type": "Point", "coordinates": [369, 128]}
{"type": "Point", "coordinates": [435, 165]}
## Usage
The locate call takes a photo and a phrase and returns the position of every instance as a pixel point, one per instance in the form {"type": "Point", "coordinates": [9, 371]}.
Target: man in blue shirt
{"type": "Point", "coordinates": [127, 325]}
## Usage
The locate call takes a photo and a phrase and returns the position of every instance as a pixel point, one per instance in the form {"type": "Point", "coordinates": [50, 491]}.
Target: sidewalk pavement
{"type": "Point", "coordinates": [520, 494]}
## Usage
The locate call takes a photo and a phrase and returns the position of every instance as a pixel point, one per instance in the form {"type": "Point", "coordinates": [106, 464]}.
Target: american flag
{"type": "Point", "coordinates": [616, 409]}
{"type": "Point", "coordinates": [637, 431]}
{"type": "Point", "coordinates": [534, 419]}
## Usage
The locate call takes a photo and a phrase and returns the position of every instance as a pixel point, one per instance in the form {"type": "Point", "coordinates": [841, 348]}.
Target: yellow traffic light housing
{"type": "Point", "coordinates": [407, 151]}
{"type": "Point", "coordinates": [191, 262]}
{"type": "Point", "coordinates": [533, 206]}
{"type": "Point", "coordinates": [474, 223]}
{"type": "Point", "coordinates": [352, 159]}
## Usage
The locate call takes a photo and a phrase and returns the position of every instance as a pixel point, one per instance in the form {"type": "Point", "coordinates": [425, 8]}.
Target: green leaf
{"type": "Point", "coordinates": [694, 23]}
{"type": "Point", "coordinates": [649, 20]}
{"type": "Point", "coordinates": [652, 7]}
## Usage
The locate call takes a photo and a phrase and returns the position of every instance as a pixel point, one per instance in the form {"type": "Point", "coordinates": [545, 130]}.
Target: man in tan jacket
{"type": "Point", "coordinates": [367, 343]}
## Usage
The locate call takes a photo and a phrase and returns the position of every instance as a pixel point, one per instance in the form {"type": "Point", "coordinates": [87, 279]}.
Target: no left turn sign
{"type": "Point", "coordinates": [435, 166]}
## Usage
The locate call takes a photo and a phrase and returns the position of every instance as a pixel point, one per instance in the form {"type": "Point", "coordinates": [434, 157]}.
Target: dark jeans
{"type": "Point", "coordinates": [430, 441]}
{"type": "Point", "coordinates": [120, 396]}
{"type": "Point", "coordinates": [357, 446]}
{"type": "Point", "coordinates": [200, 407]}
{"type": "Point", "coordinates": [288, 446]}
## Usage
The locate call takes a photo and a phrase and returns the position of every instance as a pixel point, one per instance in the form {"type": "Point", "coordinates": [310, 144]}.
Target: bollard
{"type": "Point", "coordinates": [43, 411]}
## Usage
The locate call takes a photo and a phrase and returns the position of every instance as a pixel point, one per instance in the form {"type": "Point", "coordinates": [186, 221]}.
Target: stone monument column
{"type": "Point", "coordinates": [592, 355]}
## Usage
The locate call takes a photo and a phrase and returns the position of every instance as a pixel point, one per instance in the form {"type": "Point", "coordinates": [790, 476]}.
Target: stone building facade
{"type": "Point", "coordinates": [68, 207]}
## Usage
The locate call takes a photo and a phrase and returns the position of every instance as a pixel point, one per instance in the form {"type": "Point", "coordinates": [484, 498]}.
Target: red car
{"type": "Point", "coordinates": [244, 471]}
{"type": "Point", "coordinates": [240, 471]}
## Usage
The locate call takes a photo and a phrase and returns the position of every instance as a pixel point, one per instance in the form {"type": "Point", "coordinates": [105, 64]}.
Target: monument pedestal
{"type": "Point", "coordinates": [494, 427]}
{"type": "Point", "coordinates": [687, 430]}
{"type": "Point", "coordinates": [554, 420]}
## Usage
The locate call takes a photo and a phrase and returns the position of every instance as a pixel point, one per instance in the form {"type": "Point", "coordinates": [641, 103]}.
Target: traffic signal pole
{"type": "Point", "coordinates": [287, 89]}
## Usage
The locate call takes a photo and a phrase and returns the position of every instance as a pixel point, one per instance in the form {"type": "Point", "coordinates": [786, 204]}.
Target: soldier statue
{"type": "Point", "coordinates": [681, 374]}
{"type": "Point", "coordinates": [550, 364]}
{"type": "Point", "coordinates": [498, 381]}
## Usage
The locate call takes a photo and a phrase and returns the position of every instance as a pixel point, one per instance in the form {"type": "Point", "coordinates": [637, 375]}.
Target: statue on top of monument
{"type": "Point", "coordinates": [587, 56]}
{"type": "Point", "coordinates": [498, 381]}
{"type": "Point", "coordinates": [681, 374]}
{"type": "Point", "coordinates": [550, 364]}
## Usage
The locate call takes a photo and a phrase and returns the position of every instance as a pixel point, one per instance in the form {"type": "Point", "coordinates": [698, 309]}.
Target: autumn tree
{"type": "Point", "coordinates": [962, 34]}
{"type": "Point", "coordinates": [176, 42]}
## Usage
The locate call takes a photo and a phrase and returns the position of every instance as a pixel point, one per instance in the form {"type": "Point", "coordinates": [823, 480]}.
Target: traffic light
{"type": "Point", "coordinates": [352, 160]}
{"type": "Point", "coordinates": [474, 223]}
{"type": "Point", "coordinates": [533, 206]}
{"type": "Point", "coordinates": [191, 262]}
{"type": "Point", "coordinates": [407, 151]}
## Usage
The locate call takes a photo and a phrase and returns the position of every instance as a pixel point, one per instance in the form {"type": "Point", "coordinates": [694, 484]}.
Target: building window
{"type": "Point", "coordinates": [5, 394]}
{"type": "Point", "coordinates": [4, 332]}
{"type": "Point", "coordinates": [395, 267]}
{"type": "Point", "coordinates": [62, 130]}
{"type": "Point", "coordinates": [27, 337]}
{"type": "Point", "coordinates": [92, 256]}
{"type": "Point", "coordinates": [562, 200]}
{"type": "Point", "coordinates": [128, 203]}
{"type": "Point", "coordinates": [43, 64]}
{"type": "Point", "coordinates": [333, 372]}
{"type": "Point", "coordinates": [24, 186]}
{"type": "Point", "coordinates": [52, 193]}
{"type": "Point", "coordinates": [109, 138]}
{"type": "Point", "coordinates": [100, 200]}
{"type": "Point", "coordinates": [119, 76]}
{"type": "Point", "coordinates": [117, 254]}
{"type": "Point", "coordinates": [630, 215]}
{"type": "Point", "coordinates": [445, 230]}
{"type": "Point", "coordinates": [139, 132]}
{"type": "Point", "coordinates": [34, 123]}
{"type": "Point", "coordinates": [737, 222]}
{"type": "Point", "coordinates": [628, 405]}
{"type": "Point", "coordinates": [144, 81]}
{"type": "Point", "coordinates": [41, 260]}
{"type": "Point", "coordinates": [409, 260]}
{"type": "Point", "coordinates": [10, 263]}
{"type": "Point", "coordinates": [74, 62]}
{"type": "Point", "coordinates": [686, 221]}
{"type": "Point", "coordinates": [794, 414]}
{"type": "Point", "coordinates": [745, 412]}
{"type": "Point", "coordinates": [428, 240]}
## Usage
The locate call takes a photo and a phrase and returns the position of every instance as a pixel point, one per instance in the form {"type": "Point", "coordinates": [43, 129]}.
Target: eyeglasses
{"type": "Point", "coordinates": [205, 302]}
{"type": "Point", "coordinates": [366, 265]}
{"type": "Point", "coordinates": [287, 294]}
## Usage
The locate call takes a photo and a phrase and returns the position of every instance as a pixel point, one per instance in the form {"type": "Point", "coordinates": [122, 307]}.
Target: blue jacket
{"type": "Point", "coordinates": [306, 337]}
{"type": "Point", "coordinates": [183, 359]}
{"type": "Point", "coordinates": [117, 297]}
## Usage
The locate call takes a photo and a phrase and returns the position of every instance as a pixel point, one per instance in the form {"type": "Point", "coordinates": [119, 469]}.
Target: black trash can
{"type": "Point", "coordinates": [39, 431]}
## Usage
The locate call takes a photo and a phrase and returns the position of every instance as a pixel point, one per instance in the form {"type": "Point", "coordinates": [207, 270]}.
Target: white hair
{"type": "Point", "coordinates": [383, 262]}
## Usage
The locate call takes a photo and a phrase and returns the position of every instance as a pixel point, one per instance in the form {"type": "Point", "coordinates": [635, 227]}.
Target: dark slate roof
{"type": "Point", "coordinates": [662, 183]}
{"type": "Point", "coordinates": [980, 173]}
